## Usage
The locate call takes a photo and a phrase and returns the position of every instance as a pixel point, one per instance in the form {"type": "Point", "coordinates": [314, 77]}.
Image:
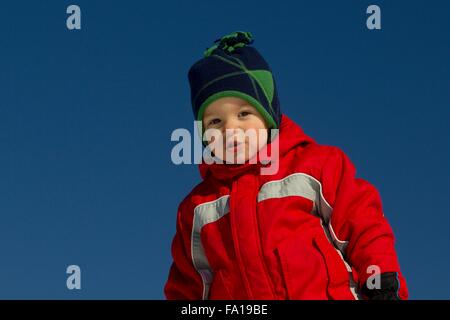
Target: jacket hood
{"type": "Point", "coordinates": [290, 136]}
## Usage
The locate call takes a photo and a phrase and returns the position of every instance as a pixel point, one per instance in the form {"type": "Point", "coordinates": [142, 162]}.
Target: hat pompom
{"type": "Point", "coordinates": [230, 42]}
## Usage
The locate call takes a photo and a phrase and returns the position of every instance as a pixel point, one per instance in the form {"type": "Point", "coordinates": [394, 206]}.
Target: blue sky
{"type": "Point", "coordinates": [86, 116]}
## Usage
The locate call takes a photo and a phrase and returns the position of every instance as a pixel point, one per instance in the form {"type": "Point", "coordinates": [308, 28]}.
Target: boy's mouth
{"type": "Point", "coordinates": [234, 145]}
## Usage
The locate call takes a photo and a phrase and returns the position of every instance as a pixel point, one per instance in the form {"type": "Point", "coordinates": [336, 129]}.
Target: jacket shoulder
{"type": "Point", "coordinates": [324, 150]}
{"type": "Point", "coordinates": [318, 155]}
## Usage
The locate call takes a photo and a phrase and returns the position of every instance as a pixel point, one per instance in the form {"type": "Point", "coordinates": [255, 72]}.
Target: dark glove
{"type": "Point", "coordinates": [388, 291]}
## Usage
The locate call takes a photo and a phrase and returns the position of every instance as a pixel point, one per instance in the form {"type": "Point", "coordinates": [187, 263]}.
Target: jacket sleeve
{"type": "Point", "coordinates": [184, 282]}
{"type": "Point", "coordinates": [357, 223]}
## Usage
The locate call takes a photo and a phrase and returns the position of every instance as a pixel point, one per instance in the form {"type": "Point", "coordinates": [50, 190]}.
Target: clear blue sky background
{"type": "Point", "coordinates": [86, 117]}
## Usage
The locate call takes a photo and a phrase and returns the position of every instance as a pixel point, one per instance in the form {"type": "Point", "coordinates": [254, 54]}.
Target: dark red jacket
{"type": "Point", "coordinates": [310, 231]}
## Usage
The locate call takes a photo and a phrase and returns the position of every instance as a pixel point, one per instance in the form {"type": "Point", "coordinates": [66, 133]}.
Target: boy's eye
{"type": "Point", "coordinates": [214, 121]}
{"type": "Point", "coordinates": [244, 113]}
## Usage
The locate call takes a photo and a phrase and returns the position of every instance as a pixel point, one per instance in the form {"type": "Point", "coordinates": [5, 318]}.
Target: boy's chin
{"type": "Point", "coordinates": [231, 158]}
{"type": "Point", "coordinates": [237, 159]}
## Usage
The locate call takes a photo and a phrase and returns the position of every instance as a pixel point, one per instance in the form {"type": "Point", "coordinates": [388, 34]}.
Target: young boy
{"type": "Point", "coordinates": [308, 230]}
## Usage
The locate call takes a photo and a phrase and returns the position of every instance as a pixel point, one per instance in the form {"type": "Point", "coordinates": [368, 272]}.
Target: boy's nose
{"type": "Point", "coordinates": [232, 133]}
{"type": "Point", "coordinates": [231, 125]}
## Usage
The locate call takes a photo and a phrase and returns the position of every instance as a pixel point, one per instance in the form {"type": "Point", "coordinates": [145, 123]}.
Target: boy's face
{"type": "Point", "coordinates": [243, 129]}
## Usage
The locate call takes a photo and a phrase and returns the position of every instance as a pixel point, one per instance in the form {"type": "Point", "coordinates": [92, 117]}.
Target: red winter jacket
{"type": "Point", "coordinates": [310, 231]}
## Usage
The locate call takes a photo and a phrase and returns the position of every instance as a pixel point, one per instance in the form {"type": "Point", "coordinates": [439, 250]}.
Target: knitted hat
{"type": "Point", "coordinates": [232, 68]}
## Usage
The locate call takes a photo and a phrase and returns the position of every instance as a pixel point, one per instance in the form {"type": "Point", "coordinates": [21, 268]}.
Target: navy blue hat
{"type": "Point", "coordinates": [233, 68]}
